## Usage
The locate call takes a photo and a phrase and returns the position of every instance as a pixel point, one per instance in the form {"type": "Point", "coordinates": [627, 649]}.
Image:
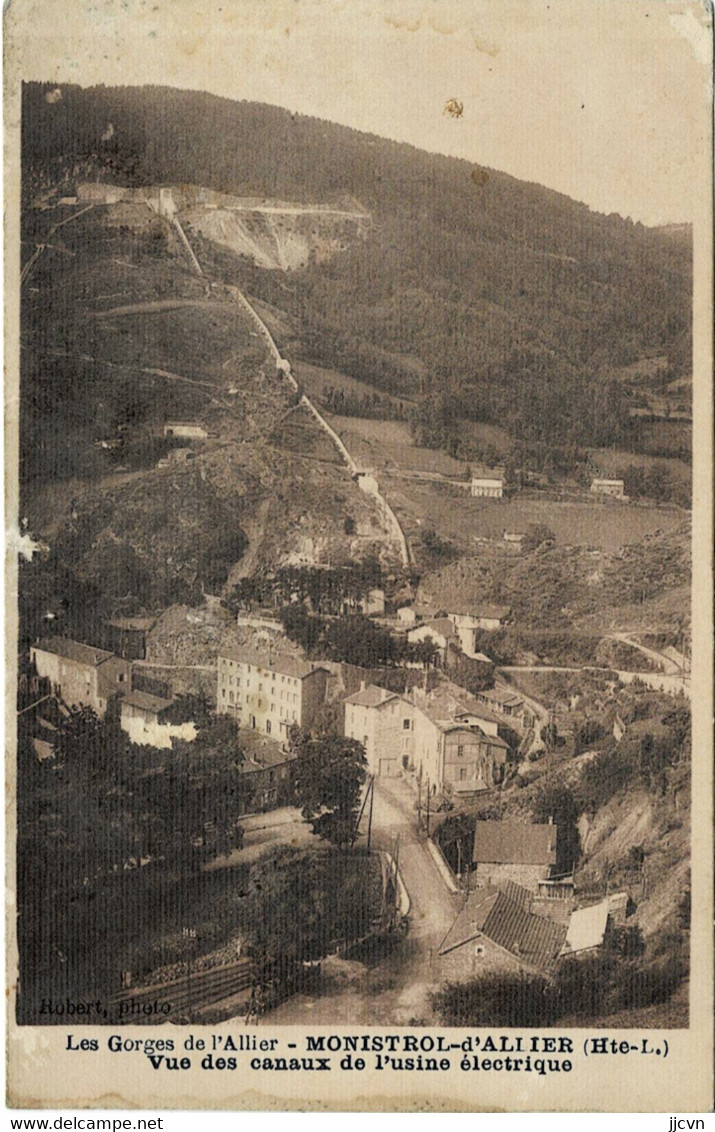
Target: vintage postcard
{"type": "Point", "coordinates": [359, 649]}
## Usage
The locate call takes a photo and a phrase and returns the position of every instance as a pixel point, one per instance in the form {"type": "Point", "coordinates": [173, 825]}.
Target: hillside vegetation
{"type": "Point", "coordinates": [508, 293]}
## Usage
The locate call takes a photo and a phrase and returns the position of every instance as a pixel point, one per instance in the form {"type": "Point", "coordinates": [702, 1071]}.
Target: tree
{"type": "Point", "coordinates": [537, 534]}
{"type": "Point", "coordinates": [329, 773]}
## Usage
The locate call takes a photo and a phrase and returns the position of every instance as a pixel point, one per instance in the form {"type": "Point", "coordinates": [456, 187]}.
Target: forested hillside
{"type": "Point", "coordinates": [515, 302]}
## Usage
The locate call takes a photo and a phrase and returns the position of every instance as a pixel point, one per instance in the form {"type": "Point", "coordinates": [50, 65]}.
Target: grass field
{"type": "Point", "coordinates": [388, 444]}
{"type": "Point", "coordinates": [316, 379]}
{"type": "Point", "coordinates": [464, 519]}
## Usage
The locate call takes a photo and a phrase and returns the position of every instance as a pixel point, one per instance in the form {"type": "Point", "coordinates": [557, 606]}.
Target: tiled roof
{"type": "Point", "coordinates": [373, 696]}
{"type": "Point", "coordinates": [73, 650]}
{"type": "Point", "coordinates": [464, 609]}
{"type": "Point", "coordinates": [146, 702]}
{"type": "Point", "coordinates": [284, 665]}
{"type": "Point", "coordinates": [441, 625]}
{"type": "Point", "coordinates": [444, 702]}
{"type": "Point", "coordinates": [514, 843]}
{"type": "Point", "coordinates": [533, 940]}
{"type": "Point", "coordinates": [502, 696]}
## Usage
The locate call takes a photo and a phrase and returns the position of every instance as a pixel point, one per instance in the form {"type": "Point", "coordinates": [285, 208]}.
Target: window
{"type": "Point", "coordinates": [460, 751]}
{"type": "Point", "coordinates": [405, 725]}
{"type": "Point", "coordinates": [364, 740]}
{"type": "Point", "coordinates": [260, 687]}
{"type": "Point", "coordinates": [462, 773]}
{"type": "Point", "coordinates": [273, 707]}
{"type": "Point", "coordinates": [268, 727]}
{"type": "Point", "coordinates": [230, 696]}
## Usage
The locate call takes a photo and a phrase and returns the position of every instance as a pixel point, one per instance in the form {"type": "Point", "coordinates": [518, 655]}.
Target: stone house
{"type": "Point", "coordinates": [269, 693]}
{"type": "Point", "coordinates": [513, 851]}
{"type": "Point", "coordinates": [81, 674]}
{"type": "Point", "coordinates": [494, 933]}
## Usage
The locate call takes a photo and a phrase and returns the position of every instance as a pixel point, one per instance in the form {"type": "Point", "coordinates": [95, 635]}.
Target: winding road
{"type": "Point", "coordinates": [396, 990]}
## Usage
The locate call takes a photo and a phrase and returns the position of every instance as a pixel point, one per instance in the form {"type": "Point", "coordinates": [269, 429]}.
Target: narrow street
{"type": "Point", "coordinates": [395, 991]}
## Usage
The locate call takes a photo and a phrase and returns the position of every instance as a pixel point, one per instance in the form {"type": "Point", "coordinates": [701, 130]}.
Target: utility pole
{"type": "Point", "coordinates": [369, 816]}
{"type": "Point", "coordinates": [428, 790]}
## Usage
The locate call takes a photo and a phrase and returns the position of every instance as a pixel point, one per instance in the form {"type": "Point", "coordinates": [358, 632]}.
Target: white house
{"type": "Point", "coordinates": [406, 615]}
{"type": "Point", "coordinates": [613, 488]}
{"type": "Point", "coordinates": [186, 430]}
{"type": "Point", "coordinates": [488, 482]}
{"type": "Point", "coordinates": [441, 631]}
{"type": "Point", "coordinates": [384, 723]}
{"type": "Point", "coordinates": [143, 717]}
{"type": "Point", "coordinates": [268, 693]}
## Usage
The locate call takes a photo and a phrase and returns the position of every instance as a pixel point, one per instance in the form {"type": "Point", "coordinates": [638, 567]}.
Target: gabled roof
{"type": "Point", "coordinates": [443, 703]}
{"type": "Point", "coordinates": [372, 696]}
{"type": "Point", "coordinates": [283, 665]}
{"type": "Point", "coordinates": [73, 650]}
{"type": "Point", "coordinates": [146, 702]}
{"type": "Point", "coordinates": [533, 940]}
{"type": "Point", "coordinates": [462, 609]}
{"type": "Point", "coordinates": [441, 625]}
{"type": "Point", "coordinates": [514, 843]}
{"type": "Point", "coordinates": [502, 696]}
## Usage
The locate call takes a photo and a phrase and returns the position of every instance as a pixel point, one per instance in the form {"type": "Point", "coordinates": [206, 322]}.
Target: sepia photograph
{"type": "Point", "coordinates": [354, 649]}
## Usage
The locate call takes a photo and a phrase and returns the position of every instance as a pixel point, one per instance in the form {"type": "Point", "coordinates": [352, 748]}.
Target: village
{"type": "Point", "coordinates": [327, 735]}
{"type": "Point", "coordinates": [506, 903]}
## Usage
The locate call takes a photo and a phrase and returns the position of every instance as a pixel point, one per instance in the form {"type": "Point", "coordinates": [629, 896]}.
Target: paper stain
{"type": "Point", "coordinates": [454, 108]}
{"type": "Point", "coordinates": [480, 177]}
{"type": "Point", "coordinates": [695, 25]}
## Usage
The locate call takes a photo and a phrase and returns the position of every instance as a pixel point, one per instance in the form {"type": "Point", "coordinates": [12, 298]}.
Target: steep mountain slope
{"type": "Point", "coordinates": [503, 290]}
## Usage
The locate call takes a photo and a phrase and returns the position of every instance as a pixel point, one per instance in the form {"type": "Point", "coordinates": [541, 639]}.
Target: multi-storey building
{"type": "Point", "coordinates": [269, 693]}
{"type": "Point", "coordinates": [81, 674]}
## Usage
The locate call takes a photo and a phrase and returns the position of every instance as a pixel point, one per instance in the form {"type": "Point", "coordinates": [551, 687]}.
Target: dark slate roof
{"type": "Point", "coordinates": [514, 843]}
{"type": "Point", "coordinates": [73, 650]}
{"type": "Point", "coordinates": [283, 665]}
{"type": "Point", "coordinates": [533, 940]}
{"type": "Point", "coordinates": [146, 702]}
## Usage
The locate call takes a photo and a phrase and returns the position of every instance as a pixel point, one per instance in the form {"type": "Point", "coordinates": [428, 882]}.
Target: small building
{"type": "Point", "coordinates": [612, 488]}
{"type": "Point", "coordinates": [144, 718]}
{"type": "Point", "coordinates": [384, 723]}
{"type": "Point", "coordinates": [491, 617]}
{"type": "Point", "coordinates": [503, 701]}
{"type": "Point", "coordinates": [441, 631]}
{"type": "Point", "coordinates": [494, 932]}
{"type": "Point", "coordinates": [488, 482]}
{"type": "Point", "coordinates": [518, 851]}
{"type": "Point", "coordinates": [406, 615]}
{"type": "Point", "coordinates": [269, 773]}
{"type": "Point", "coordinates": [589, 927]}
{"type": "Point", "coordinates": [269, 693]}
{"type": "Point", "coordinates": [81, 674]}
{"type": "Point", "coordinates": [185, 430]}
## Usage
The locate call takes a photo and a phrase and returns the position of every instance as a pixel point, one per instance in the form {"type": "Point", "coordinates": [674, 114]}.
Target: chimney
{"type": "Point", "coordinates": [551, 819]}
{"type": "Point", "coordinates": [362, 685]}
